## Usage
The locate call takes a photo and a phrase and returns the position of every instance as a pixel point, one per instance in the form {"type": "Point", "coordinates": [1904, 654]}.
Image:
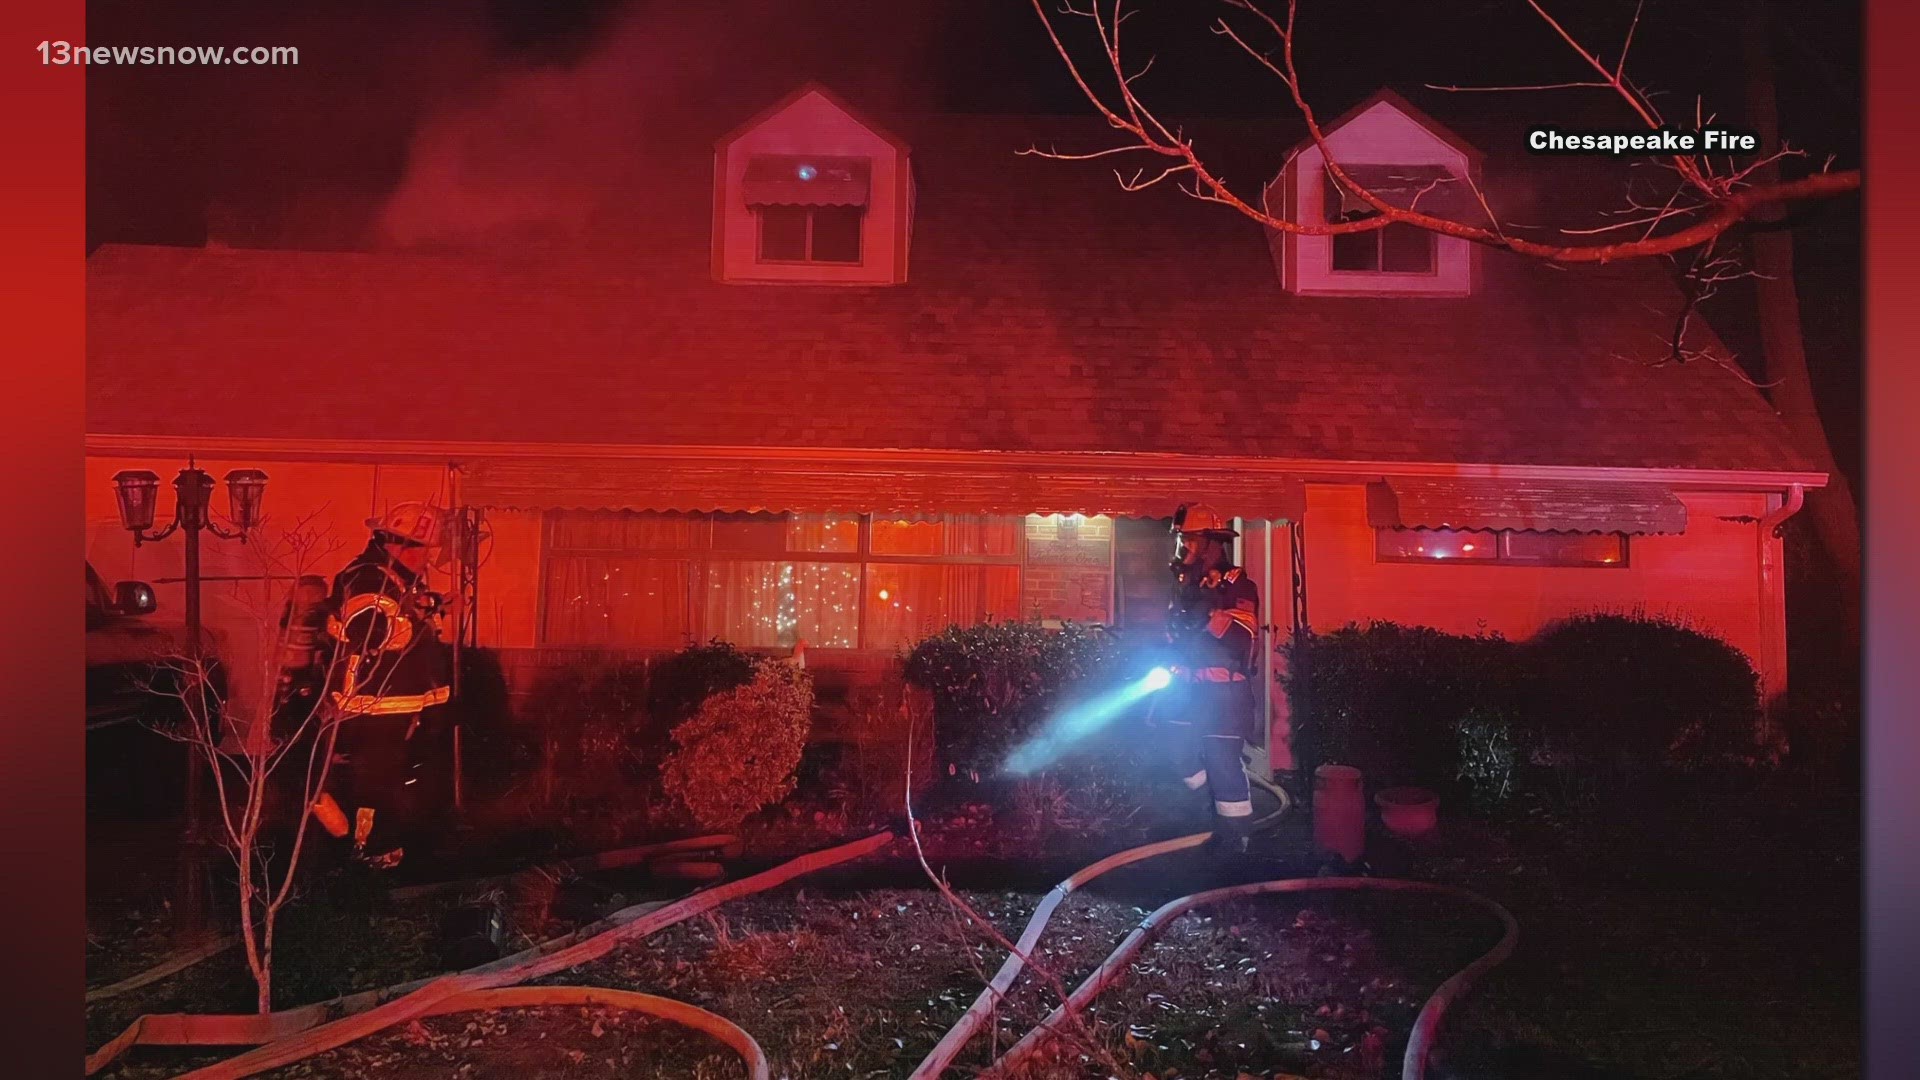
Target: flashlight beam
{"type": "Point", "coordinates": [1076, 724]}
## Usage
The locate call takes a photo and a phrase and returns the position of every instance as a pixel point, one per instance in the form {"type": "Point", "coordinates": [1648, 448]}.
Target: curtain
{"type": "Point", "coordinates": [775, 604]}
{"type": "Point", "coordinates": [907, 602]}
{"type": "Point", "coordinates": [823, 532]}
{"type": "Point", "coordinates": [625, 600]}
{"type": "Point", "coordinates": [658, 579]}
{"type": "Point", "coordinates": [619, 531]}
{"type": "Point", "coordinates": [946, 534]}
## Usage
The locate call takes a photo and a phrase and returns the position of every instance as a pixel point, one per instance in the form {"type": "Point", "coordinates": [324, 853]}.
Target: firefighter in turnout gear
{"type": "Point", "coordinates": [389, 667]}
{"type": "Point", "coordinates": [1213, 623]}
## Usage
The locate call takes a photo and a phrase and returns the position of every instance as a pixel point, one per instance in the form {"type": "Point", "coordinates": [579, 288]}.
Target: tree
{"type": "Point", "coordinates": [1707, 196]}
{"type": "Point", "coordinates": [1831, 510]}
{"type": "Point", "coordinates": [268, 753]}
{"type": "Point", "coordinates": [1718, 220]}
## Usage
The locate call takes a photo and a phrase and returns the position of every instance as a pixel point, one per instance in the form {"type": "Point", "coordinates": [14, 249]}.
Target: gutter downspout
{"type": "Point", "coordinates": [1772, 585]}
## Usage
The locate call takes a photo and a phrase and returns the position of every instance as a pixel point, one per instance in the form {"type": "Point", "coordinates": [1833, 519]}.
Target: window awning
{"type": "Point", "coordinates": [771, 485]}
{"type": "Point", "coordinates": [1430, 189]}
{"type": "Point", "coordinates": [794, 180]}
{"type": "Point", "coordinates": [1636, 509]}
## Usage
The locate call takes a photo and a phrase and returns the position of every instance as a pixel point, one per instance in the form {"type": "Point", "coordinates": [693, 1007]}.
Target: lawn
{"type": "Point", "coordinates": [1708, 928]}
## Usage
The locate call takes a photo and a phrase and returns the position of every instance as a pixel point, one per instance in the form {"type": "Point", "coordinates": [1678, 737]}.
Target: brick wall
{"type": "Point", "coordinates": [1069, 571]}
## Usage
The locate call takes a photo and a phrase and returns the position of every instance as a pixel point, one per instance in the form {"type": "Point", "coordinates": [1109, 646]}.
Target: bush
{"type": "Point", "coordinates": [1820, 726]}
{"type": "Point", "coordinates": [1386, 698]}
{"type": "Point", "coordinates": [1487, 756]}
{"type": "Point", "coordinates": [1642, 688]}
{"type": "Point", "coordinates": [681, 682]}
{"type": "Point", "coordinates": [1417, 705]}
{"type": "Point", "coordinates": [994, 683]}
{"type": "Point", "coordinates": [739, 752]}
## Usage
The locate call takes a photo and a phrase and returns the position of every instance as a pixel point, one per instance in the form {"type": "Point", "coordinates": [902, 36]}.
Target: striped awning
{"type": "Point", "coordinates": [1636, 509]}
{"type": "Point", "coordinates": [773, 485]}
{"type": "Point", "coordinates": [791, 180]}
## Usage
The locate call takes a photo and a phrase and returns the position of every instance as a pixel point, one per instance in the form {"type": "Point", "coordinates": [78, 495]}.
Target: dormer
{"type": "Point", "coordinates": [1406, 159]}
{"type": "Point", "coordinates": [808, 193]}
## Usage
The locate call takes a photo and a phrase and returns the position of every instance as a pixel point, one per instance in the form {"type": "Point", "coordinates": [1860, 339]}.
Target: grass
{"type": "Point", "coordinates": [1708, 928]}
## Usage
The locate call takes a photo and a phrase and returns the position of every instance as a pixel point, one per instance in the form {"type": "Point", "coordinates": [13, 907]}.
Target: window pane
{"type": "Point", "coordinates": [775, 604]}
{"type": "Point", "coordinates": [946, 534]}
{"type": "Point", "coordinates": [1436, 544]}
{"type": "Point", "coordinates": [909, 536]}
{"type": "Point", "coordinates": [823, 532]}
{"type": "Point", "coordinates": [1142, 549]}
{"type": "Point", "coordinates": [783, 233]}
{"type": "Point", "coordinates": [1406, 250]}
{"type": "Point", "coordinates": [616, 601]}
{"type": "Point", "coordinates": [617, 531]}
{"type": "Point", "coordinates": [1356, 251]}
{"type": "Point", "coordinates": [836, 233]}
{"type": "Point", "coordinates": [750, 534]}
{"type": "Point", "coordinates": [1567, 549]}
{"type": "Point", "coordinates": [906, 603]}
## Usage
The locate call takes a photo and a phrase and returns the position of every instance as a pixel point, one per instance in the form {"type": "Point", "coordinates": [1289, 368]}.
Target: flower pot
{"type": "Point", "coordinates": [1339, 812]}
{"type": "Point", "coordinates": [1408, 811]}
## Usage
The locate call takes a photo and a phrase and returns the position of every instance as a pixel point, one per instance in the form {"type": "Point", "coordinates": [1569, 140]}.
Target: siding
{"type": "Point", "coordinates": [1709, 577]}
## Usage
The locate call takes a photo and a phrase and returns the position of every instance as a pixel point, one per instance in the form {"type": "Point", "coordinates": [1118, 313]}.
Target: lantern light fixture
{"type": "Point", "coordinates": [137, 491]}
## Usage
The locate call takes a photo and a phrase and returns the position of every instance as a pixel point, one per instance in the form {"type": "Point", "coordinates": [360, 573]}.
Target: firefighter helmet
{"type": "Point", "coordinates": [1202, 519]}
{"type": "Point", "coordinates": [415, 523]}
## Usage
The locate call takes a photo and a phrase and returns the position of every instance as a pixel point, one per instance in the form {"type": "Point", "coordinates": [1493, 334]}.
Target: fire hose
{"type": "Point", "coordinates": [313, 1031]}
{"type": "Point", "coordinates": [1426, 1025]}
{"type": "Point", "coordinates": [605, 860]}
{"type": "Point", "coordinates": [301, 1033]}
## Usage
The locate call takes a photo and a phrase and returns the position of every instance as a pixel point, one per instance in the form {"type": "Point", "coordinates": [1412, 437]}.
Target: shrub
{"type": "Point", "coordinates": [1487, 756]}
{"type": "Point", "coordinates": [1413, 704]}
{"type": "Point", "coordinates": [681, 682]}
{"type": "Point", "coordinates": [1820, 725]}
{"type": "Point", "coordinates": [1643, 688]}
{"type": "Point", "coordinates": [1386, 697]}
{"type": "Point", "coordinates": [992, 684]}
{"type": "Point", "coordinates": [738, 753]}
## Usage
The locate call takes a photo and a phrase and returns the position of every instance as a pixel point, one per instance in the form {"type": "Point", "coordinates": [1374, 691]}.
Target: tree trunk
{"type": "Point", "coordinates": [1830, 511]}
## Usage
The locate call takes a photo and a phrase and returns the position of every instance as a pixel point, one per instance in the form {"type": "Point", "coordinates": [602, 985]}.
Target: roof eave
{"type": "Point", "coordinates": [1310, 469]}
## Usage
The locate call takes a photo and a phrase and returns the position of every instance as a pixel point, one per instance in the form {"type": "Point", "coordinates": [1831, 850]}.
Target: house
{"type": "Point", "coordinates": [833, 381]}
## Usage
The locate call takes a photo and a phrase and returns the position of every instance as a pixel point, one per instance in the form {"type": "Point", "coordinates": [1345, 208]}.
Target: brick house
{"type": "Point", "coordinates": [830, 381]}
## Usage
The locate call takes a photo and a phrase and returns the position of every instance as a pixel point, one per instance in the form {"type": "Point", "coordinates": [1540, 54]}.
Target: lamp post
{"type": "Point", "coordinates": [137, 491]}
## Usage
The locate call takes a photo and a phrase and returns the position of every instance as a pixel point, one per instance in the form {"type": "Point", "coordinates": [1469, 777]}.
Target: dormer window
{"type": "Point", "coordinates": [807, 193]}
{"type": "Point", "coordinates": [1395, 249]}
{"type": "Point", "coordinates": [1401, 157]}
{"type": "Point", "coordinates": [810, 210]}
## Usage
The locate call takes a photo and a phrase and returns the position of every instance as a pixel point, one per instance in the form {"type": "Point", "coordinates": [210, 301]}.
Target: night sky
{"type": "Point", "coordinates": [165, 142]}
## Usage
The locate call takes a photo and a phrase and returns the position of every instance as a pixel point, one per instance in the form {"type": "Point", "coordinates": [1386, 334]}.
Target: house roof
{"type": "Point", "coordinates": [1045, 310]}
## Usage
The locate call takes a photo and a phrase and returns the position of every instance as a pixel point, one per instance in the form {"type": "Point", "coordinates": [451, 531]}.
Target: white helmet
{"type": "Point", "coordinates": [416, 523]}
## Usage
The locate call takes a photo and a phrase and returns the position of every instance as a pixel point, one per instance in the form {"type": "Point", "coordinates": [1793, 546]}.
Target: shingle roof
{"type": "Point", "coordinates": [1045, 310]}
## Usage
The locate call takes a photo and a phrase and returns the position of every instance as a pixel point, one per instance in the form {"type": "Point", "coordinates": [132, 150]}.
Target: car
{"type": "Point", "coordinates": [133, 697]}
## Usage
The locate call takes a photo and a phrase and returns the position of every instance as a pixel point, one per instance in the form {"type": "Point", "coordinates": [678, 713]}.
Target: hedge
{"type": "Point", "coordinates": [1402, 702]}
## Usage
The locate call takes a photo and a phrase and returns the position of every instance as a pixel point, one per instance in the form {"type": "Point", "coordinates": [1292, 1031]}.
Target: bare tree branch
{"type": "Point", "coordinates": [1722, 198]}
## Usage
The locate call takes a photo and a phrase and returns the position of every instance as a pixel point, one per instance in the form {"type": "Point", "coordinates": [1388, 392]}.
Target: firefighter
{"type": "Point", "coordinates": [389, 667]}
{"type": "Point", "coordinates": [305, 649]}
{"type": "Point", "coordinates": [1214, 626]}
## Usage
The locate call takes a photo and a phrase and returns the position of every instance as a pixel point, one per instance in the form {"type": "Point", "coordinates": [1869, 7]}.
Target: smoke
{"type": "Point", "coordinates": [536, 152]}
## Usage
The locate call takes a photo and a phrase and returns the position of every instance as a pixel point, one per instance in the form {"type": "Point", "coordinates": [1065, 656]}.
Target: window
{"type": "Point", "coordinates": [817, 234]}
{"type": "Point", "coordinates": [1505, 547]}
{"type": "Point", "coordinates": [1395, 249]}
{"type": "Point", "coordinates": [769, 580]}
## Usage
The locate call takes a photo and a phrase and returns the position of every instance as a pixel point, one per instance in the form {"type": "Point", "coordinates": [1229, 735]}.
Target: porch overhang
{"type": "Point", "coordinates": [801, 485]}
{"type": "Point", "coordinates": [1634, 509]}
